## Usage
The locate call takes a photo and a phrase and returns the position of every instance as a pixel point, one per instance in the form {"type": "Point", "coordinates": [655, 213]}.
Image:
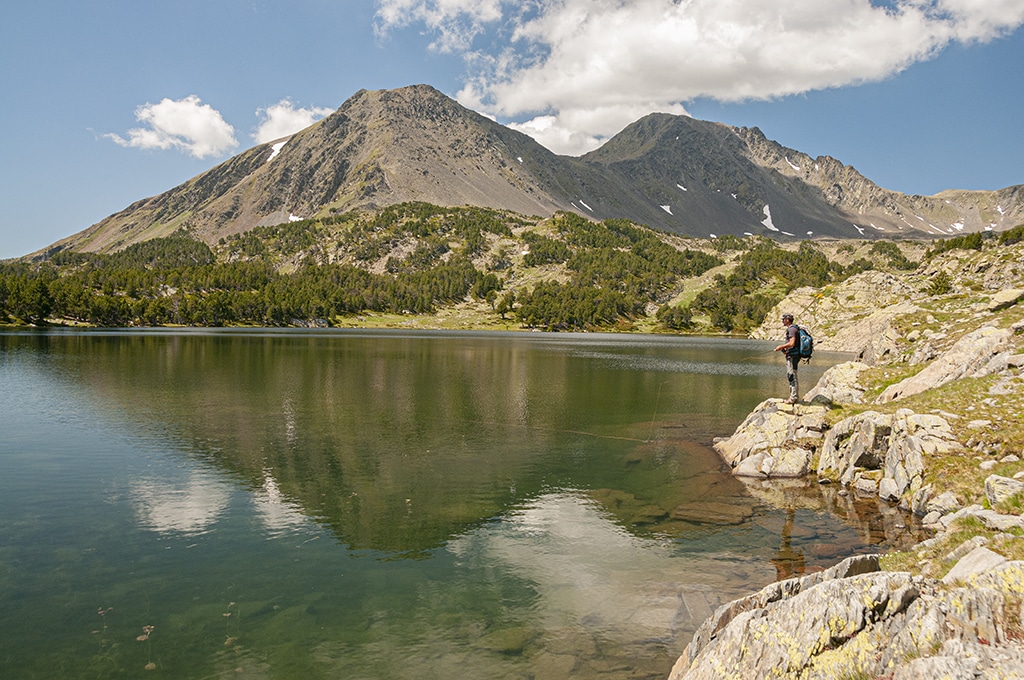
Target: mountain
{"type": "Point", "coordinates": [673, 173]}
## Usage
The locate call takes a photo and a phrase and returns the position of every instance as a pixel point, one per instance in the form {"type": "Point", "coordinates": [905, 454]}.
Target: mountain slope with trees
{"type": "Point", "coordinates": [418, 263]}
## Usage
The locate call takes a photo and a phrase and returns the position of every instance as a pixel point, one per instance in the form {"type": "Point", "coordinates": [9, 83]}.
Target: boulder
{"type": "Point", "coordinates": [790, 462]}
{"type": "Point", "coordinates": [839, 384]}
{"type": "Point", "coordinates": [944, 503]}
{"type": "Point", "coordinates": [865, 485]}
{"type": "Point", "coordinates": [776, 463]}
{"type": "Point", "coordinates": [786, 636]}
{"type": "Point", "coordinates": [893, 444]}
{"type": "Point", "coordinates": [1005, 299]}
{"type": "Point", "coordinates": [990, 518]}
{"type": "Point", "coordinates": [856, 442]}
{"type": "Point", "coordinates": [966, 547]}
{"type": "Point", "coordinates": [888, 490]}
{"type": "Point", "coordinates": [999, 489]}
{"type": "Point", "coordinates": [969, 357]}
{"type": "Point", "coordinates": [978, 561]}
{"type": "Point", "coordinates": [865, 623]}
{"type": "Point", "coordinates": [780, 590]}
{"type": "Point", "coordinates": [752, 466]}
{"type": "Point", "coordinates": [772, 425]}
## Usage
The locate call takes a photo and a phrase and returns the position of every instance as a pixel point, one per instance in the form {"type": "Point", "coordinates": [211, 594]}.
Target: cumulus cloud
{"type": "Point", "coordinates": [184, 124]}
{"type": "Point", "coordinates": [583, 68]}
{"type": "Point", "coordinates": [455, 22]}
{"type": "Point", "coordinates": [283, 119]}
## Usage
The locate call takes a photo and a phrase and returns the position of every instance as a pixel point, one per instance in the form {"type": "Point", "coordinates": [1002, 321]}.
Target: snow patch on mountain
{"type": "Point", "coordinates": [276, 149]}
{"type": "Point", "coordinates": [767, 221]}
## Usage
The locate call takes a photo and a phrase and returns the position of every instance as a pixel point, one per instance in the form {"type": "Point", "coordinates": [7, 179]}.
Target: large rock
{"type": "Point", "coordinates": [853, 621]}
{"type": "Point", "coordinates": [709, 631]}
{"type": "Point", "coordinates": [1005, 299]}
{"type": "Point", "coordinates": [974, 563]}
{"type": "Point", "coordinates": [781, 629]}
{"type": "Point", "coordinates": [768, 442]}
{"type": "Point", "coordinates": [969, 357]}
{"type": "Point", "coordinates": [856, 442]}
{"type": "Point", "coordinates": [783, 462]}
{"type": "Point", "coordinates": [999, 489]}
{"type": "Point", "coordinates": [839, 384]}
{"type": "Point", "coordinates": [990, 518]}
{"type": "Point", "coordinates": [892, 444]}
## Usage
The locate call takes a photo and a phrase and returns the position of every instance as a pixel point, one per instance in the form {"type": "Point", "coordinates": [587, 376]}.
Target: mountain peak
{"type": "Point", "coordinates": [670, 172]}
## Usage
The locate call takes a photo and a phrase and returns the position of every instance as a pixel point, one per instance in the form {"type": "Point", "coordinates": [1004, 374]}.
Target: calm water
{"type": "Point", "coordinates": [255, 504]}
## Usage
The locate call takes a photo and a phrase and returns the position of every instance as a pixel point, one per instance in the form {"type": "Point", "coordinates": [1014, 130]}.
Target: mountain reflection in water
{"type": "Point", "coordinates": [387, 505]}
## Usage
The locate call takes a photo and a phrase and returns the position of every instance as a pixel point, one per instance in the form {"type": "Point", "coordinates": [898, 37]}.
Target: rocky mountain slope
{"type": "Point", "coordinates": [669, 172]}
{"type": "Point", "coordinates": [928, 419]}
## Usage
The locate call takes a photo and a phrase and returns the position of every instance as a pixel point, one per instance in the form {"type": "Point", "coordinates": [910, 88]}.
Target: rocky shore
{"type": "Point", "coordinates": [928, 419]}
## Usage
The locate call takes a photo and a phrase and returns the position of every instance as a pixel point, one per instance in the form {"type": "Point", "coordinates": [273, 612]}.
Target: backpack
{"type": "Point", "coordinates": [804, 344]}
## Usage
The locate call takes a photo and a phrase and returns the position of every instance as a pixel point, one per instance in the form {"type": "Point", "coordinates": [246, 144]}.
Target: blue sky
{"type": "Point", "coordinates": [107, 102]}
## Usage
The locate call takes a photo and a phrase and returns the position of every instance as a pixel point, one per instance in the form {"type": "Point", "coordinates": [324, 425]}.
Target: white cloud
{"type": "Point", "coordinates": [455, 22]}
{"type": "Point", "coordinates": [567, 132]}
{"type": "Point", "coordinates": [186, 124]}
{"type": "Point", "coordinates": [283, 119]}
{"type": "Point", "coordinates": [584, 66]}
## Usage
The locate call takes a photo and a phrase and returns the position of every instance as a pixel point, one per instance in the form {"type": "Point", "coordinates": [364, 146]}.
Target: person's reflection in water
{"type": "Point", "coordinates": [788, 562]}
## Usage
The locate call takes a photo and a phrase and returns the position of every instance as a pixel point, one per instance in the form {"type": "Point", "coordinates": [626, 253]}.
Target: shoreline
{"type": "Point", "coordinates": [928, 421]}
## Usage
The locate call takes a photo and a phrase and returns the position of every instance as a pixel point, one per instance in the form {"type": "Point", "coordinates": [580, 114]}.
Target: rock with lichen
{"type": "Point", "coordinates": [772, 441]}
{"type": "Point", "coordinates": [856, 621]}
{"type": "Point", "coordinates": [893, 444]}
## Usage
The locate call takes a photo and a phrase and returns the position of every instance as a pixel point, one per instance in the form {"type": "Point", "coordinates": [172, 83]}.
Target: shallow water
{"type": "Point", "coordinates": [325, 504]}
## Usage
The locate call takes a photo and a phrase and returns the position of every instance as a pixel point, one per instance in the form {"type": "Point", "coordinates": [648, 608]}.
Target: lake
{"type": "Point", "coordinates": [387, 504]}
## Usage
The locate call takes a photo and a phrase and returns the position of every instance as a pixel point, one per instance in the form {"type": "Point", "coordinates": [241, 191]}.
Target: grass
{"type": "Point", "coordinates": [934, 559]}
{"type": "Point", "coordinates": [1012, 505]}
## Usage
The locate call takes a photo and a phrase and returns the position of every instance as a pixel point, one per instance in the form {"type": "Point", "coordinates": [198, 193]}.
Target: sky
{"type": "Point", "coordinates": [106, 102]}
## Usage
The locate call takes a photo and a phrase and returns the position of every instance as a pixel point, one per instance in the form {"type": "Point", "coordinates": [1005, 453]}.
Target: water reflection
{"type": "Point", "coordinates": [400, 442]}
{"type": "Point", "coordinates": [591, 573]}
{"type": "Point", "coordinates": [278, 514]}
{"type": "Point", "coordinates": [189, 507]}
{"type": "Point", "coordinates": [565, 512]}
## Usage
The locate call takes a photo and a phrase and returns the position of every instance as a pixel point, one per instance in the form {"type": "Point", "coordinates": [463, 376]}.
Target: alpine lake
{"type": "Point", "coordinates": [253, 503]}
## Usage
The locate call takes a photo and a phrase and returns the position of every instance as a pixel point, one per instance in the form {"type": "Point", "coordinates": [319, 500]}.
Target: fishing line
{"type": "Point", "coordinates": [759, 355]}
{"type": "Point", "coordinates": [654, 417]}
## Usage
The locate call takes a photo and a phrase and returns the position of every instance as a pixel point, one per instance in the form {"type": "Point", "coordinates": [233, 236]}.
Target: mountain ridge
{"type": "Point", "coordinates": [674, 173]}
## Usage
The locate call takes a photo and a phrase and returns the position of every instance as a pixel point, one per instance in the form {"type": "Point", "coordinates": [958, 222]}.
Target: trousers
{"type": "Point", "coordinates": [792, 362]}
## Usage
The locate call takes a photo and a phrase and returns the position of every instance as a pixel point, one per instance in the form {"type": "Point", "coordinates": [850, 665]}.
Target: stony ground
{"type": "Point", "coordinates": [929, 419]}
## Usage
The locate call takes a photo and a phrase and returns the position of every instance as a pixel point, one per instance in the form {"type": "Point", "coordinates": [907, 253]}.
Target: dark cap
{"type": "Point", "coordinates": [787, 316]}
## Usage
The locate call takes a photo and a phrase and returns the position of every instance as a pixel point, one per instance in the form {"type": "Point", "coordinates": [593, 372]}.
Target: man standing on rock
{"type": "Point", "coordinates": [792, 349]}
